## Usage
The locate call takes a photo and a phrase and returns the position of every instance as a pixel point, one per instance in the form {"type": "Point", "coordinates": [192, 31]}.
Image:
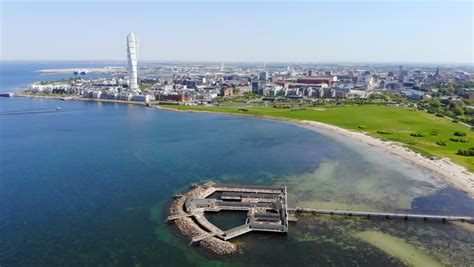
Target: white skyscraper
{"type": "Point", "coordinates": [132, 45]}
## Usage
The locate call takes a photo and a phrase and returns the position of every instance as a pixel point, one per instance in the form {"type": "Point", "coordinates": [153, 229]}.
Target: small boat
{"type": "Point", "coordinates": [58, 108]}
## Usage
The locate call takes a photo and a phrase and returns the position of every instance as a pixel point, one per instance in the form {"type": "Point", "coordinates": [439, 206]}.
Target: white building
{"type": "Point", "coordinates": [96, 94]}
{"type": "Point", "coordinates": [142, 98]}
{"type": "Point", "coordinates": [124, 96]}
{"type": "Point", "coordinates": [132, 45]}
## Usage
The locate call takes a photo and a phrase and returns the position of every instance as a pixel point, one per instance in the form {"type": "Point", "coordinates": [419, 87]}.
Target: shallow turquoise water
{"type": "Point", "coordinates": [89, 185]}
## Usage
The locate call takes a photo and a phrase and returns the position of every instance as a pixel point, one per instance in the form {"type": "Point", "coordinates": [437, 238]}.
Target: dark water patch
{"type": "Point", "coordinates": [226, 220]}
{"type": "Point", "coordinates": [216, 195]}
{"type": "Point", "coordinates": [429, 237]}
{"type": "Point", "coordinates": [447, 201]}
{"type": "Point", "coordinates": [308, 245]}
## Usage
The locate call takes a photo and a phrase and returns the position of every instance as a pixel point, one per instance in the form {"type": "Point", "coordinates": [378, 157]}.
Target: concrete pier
{"type": "Point", "coordinates": [239, 230]}
{"type": "Point", "coordinates": [386, 215]}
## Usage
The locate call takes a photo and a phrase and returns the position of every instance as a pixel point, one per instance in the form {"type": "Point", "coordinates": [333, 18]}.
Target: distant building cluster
{"type": "Point", "coordinates": [204, 83]}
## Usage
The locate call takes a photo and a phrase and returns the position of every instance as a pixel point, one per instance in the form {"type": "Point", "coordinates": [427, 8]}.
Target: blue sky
{"type": "Point", "coordinates": [308, 31]}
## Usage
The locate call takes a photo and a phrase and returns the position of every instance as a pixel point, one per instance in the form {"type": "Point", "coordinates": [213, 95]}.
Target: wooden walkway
{"type": "Point", "coordinates": [239, 230]}
{"type": "Point", "coordinates": [386, 215]}
{"type": "Point", "coordinates": [201, 237]}
{"type": "Point", "coordinates": [174, 217]}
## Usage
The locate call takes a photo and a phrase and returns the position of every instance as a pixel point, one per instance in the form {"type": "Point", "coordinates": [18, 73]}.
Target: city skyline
{"type": "Point", "coordinates": [316, 32]}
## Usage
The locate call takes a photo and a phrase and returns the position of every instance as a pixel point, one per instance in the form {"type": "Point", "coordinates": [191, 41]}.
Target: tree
{"type": "Point", "coordinates": [435, 103]}
{"type": "Point", "coordinates": [458, 111]}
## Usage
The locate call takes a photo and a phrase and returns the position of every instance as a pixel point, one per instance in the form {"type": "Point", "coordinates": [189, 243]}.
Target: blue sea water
{"type": "Point", "coordinates": [15, 75]}
{"type": "Point", "coordinates": [89, 185]}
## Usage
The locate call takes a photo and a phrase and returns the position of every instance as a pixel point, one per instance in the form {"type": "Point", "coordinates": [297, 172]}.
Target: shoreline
{"type": "Point", "coordinates": [94, 70]}
{"type": "Point", "coordinates": [69, 98]}
{"type": "Point", "coordinates": [454, 174]}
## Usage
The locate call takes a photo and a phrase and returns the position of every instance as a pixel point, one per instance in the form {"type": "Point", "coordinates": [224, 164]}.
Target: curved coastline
{"type": "Point", "coordinates": [456, 175]}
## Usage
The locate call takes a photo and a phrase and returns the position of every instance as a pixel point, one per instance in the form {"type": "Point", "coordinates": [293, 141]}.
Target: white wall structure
{"type": "Point", "coordinates": [132, 45]}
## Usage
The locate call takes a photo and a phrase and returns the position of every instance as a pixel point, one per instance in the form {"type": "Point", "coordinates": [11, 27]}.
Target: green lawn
{"type": "Point", "coordinates": [395, 123]}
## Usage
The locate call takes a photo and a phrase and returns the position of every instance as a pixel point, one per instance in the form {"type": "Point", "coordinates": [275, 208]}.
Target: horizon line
{"type": "Point", "coordinates": [240, 61]}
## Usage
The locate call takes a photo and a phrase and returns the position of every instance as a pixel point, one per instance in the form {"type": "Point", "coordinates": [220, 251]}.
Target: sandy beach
{"type": "Point", "coordinates": [454, 174]}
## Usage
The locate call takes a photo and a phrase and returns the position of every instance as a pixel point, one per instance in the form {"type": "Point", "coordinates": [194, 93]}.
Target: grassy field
{"type": "Point", "coordinates": [418, 130]}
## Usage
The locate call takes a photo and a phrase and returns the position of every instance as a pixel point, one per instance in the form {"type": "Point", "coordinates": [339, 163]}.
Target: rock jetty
{"type": "Point", "coordinates": [191, 229]}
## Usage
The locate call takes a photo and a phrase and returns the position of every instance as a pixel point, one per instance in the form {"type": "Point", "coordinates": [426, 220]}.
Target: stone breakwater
{"type": "Point", "coordinates": [191, 229]}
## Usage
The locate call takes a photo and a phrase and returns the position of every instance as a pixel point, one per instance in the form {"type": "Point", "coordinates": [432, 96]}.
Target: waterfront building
{"type": "Point", "coordinates": [142, 98]}
{"type": "Point", "coordinates": [124, 96]}
{"type": "Point", "coordinates": [132, 43]}
{"type": "Point", "coordinates": [177, 97]}
{"type": "Point", "coordinates": [109, 95]}
{"type": "Point", "coordinates": [96, 94]}
{"type": "Point", "coordinates": [88, 94]}
{"type": "Point", "coordinates": [59, 91]}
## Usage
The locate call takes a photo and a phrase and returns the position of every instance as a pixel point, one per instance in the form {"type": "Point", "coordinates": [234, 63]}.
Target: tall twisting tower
{"type": "Point", "coordinates": [132, 45]}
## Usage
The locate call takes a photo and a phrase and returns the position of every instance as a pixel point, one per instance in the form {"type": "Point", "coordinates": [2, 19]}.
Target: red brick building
{"type": "Point", "coordinates": [174, 97]}
{"type": "Point", "coordinates": [315, 80]}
